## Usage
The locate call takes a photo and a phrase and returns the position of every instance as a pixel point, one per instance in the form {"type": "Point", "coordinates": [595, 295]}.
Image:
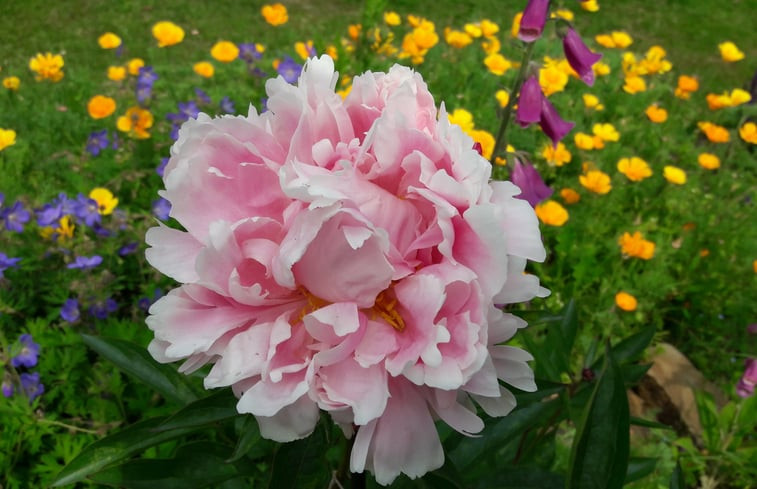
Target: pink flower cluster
{"type": "Point", "coordinates": [346, 256]}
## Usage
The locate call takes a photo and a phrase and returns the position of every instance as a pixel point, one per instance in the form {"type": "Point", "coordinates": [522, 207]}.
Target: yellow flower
{"type": "Point", "coordinates": [584, 141]}
{"type": "Point", "coordinates": [7, 138]}
{"type": "Point", "coordinates": [592, 102]}
{"type": "Point", "coordinates": [675, 175]}
{"type": "Point", "coordinates": [11, 82]}
{"type": "Point", "coordinates": [303, 49]}
{"type": "Point", "coordinates": [634, 84]}
{"type": "Point", "coordinates": [570, 196]}
{"type": "Point", "coordinates": [204, 69]}
{"type": "Point", "coordinates": [65, 229]}
{"type": "Point", "coordinates": [590, 5]}
{"type": "Point", "coordinates": [105, 200]}
{"type": "Point", "coordinates": [491, 45]}
{"type": "Point", "coordinates": [625, 301]}
{"type": "Point", "coordinates": [353, 30]}
{"type": "Point", "coordinates": [563, 13]}
{"type": "Point", "coordinates": [654, 61]}
{"type": "Point", "coordinates": [605, 132]}
{"type": "Point", "coordinates": [497, 64]}
{"type": "Point", "coordinates": [100, 106]}
{"type": "Point", "coordinates": [634, 245]}
{"type": "Point", "coordinates": [601, 69]}
{"type": "Point", "coordinates": [489, 28]}
{"type": "Point", "coordinates": [47, 66]}
{"type": "Point", "coordinates": [748, 132]}
{"type": "Point", "coordinates": [708, 161]}
{"type": "Point", "coordinates": [729, 52]}
{"type": "Point", "coordinates": [551, 213]}
{"type": "Point", "coordinates": [515, 28]}
{"type": "Point", "coordinates": [557, 156]}
{"type": "Point", "coordinates": [634, 168]}
{"type": "Point", "coordinates": [686, 85]}
{"type": "Point", "coordinates": [502, 97]}
{"type": "Point", "coordinates": [656, 114]}
{"type": "Point", "coordinates": [596, 181]}
{"type": "Point", "coordinates": [116, 73]}
{"type": "Point", "coordinates": [275, 14]}
{"type": "Point", "coordinates": [473, 30]}
{"type": "Point", "coordinates": [134, 65]}
{"type": "Point", "coordinates": [615, 39]}
{"type": "Point", "coordinates": [392, 18]}
{"type": "Point", "coordinates": [457, 39]}
{"type": "Point", "coordinates": [224, 51]}
{"type": "Point", "coordinates": [485, 139]}
{"type": "Point", "coordinates": [109, 41]}
{"type": "Point", "coordinates": [136, 122]}
{"type": "Point", "coordinates": [462, 118]}
{"type": "Point", "coordinates": [725, 99]}
{"type": "Point", "coordinates": [552, 79]}
{"type": "Point", "coordinates": [332, 51]}
{"type": "Point", "coordinates": [715, 133]}
{"type": "Point", "coordinates": [167, 33]}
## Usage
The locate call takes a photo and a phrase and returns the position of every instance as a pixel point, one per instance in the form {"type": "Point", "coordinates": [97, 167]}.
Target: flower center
{"type": "Point", "coordinates": [384, 308]}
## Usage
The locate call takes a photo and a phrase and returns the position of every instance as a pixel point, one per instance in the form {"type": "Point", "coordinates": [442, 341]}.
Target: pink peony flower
{"type": "Point", "coordinates": [346, 256]}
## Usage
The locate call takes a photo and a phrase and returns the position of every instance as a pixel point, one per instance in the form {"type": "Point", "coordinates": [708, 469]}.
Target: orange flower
{"type": "Point", "coordinates": [708, 161]}
{"type": "Point", "coordinates": [748, 132]}
{"type": "Point", "coordinates": [634, 245]}
{"type": "Point", "coordinates": [136, 122]}
{"type": "Point", "coordinates": [625, 301]}
{"type": "Point", "coordinates": [656, 114]}
{"type": "Point", "coordinates": [551, 213]}
{"type": "Point", "coordinates": [570, 196]}
{"type": "Point", "coordinates": [596, 181]}
{"type": "Point", "coordinates": [134, 65]}
{"type": "Point", "coordinates": [634, 168]}
{"type": "Point", "coordinates": [715, 133]}
{"type": "Point", "coordinates": [204, 69]}
{"type": "Point", "coordinates": [167, 34]}
{"type": "Point", "coordinates": [116, 73]}
{"type": "Point", "coordinates": [275, 14]}
{"type": "Point", "coordinates": [101, 106]}
{"type": "Point", "coordinates": [224, 51]}
{"type": "Point", "coordinates": [109, 41]}
{"type": "Point", "coordinates": [686, 85]}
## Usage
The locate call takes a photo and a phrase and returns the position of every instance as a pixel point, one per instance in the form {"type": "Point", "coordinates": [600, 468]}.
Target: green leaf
{"type": "Point", "coordinates": [553, 355]}
{"type": "Point", "coordinates": [115, 448]}
{"type": "Point", "coordinates": [301, 464]}
{"type": "Point", "coordinates": [218, 406]}
{"type": "Point", "coordinates": [649, 424]}
{"type": "Point", "coordinates": [250, 443]}
{"type": "Point", "coordinates": [676, 479]}
{"type": "Point", "coordinates": [639, 467]}
{"type": "Point", "coordinates": [708, 417]}
{"type": "Point", "coordinates": [599, 458]}
{"type": "Point", "coordinates": [631, 348]}
{"type": "Point", "coordinates": [135, 360]}
{"type": "Point", "coordinates": [517, 477]}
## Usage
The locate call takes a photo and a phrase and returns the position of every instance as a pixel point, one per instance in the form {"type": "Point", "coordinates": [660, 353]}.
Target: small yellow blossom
{"type": "Point", "coordinates": [303, 49]}
{"type": "Point", "coordinates": [673, 174]}
{"type": "Point", "coordinates": [592, 102]}
{"type": "Point", "coordinates": [11, 82]}
{"type": "Point", "coordinates": [109, 41]}
{"type": "Point", "coordinates": [224, 51]}
{"type": "Point", "coordinates": [656, 114]}
{"type": "Point", "coordinates": [457, 39]}
{"type": "Point", "coordinates": [558, 155]}
{"type": "Point", "coordinates": [105, 200]}
{"type": "Point", "coordinates": [167, 33]}
{"type": "Point", "coordinates": [634, 168]}
{"type": "Point", "coordinates": [654, 61]}
{"type": "Point", "coordinates": [570, 196]}
{"type": "Point", "coordinates": [686, 85]}
{"type": "Point", "coordinates": [392, 18]}
{"type": "Point", "coordinates": [7, 138]}
{"type": "Point", "coordinates": [625, 301]}
{"type": "Point", "coordinates": [601, 69]}
{"type": "Point", "coordinates": [502, 97]}
{"type": "Point", "coordinates": [204, 68]}
{"type": "Point", "coordinates": [497, 64]}
{"type": "Point", "coordinates": [596, 181]}
{"type": "Point", "coordinates": [605, 132]}
{"type": "Point", "coordinates": [563, 13]}
{"type": "Point", "coordinates": [708, 161]}
{"type": "Point", "coordinates": [489, 28]}
{"type": "Point", "coordinates": [714, 132]}
{"type": "Point", "coordinates": [473, 30]}
{"type": "Point", "coordinates": [332, 51]}
{"type": "Point", "coordinates": [634, 84]}
{"type": "Point", "coordinates": [462, 118]}
{"type": "Point", "coordinates": [730, 52]}
{"type": "Point", "coordinates": [134, 65]}
{"type": "Point", "coordinates": [491, 45]}
{"type": "Point", "coordinates": [552, 79]}
{"type": "Point", "coordinates": [590, 5]}
{"type": "Point", "coordinates": [584, 141]}
{"type": "Point", "coordinates": [515, 28]}
{"type": "Point", "coordinates": [136, 122]}
{"type": "Point", "coordinates": [748, 132]}
{"type": "Point", "coordinates": [65, 229]}
{"type": "Point", "coordinates": [736, 97]}
{"type": "Point", "coordinates": [551, 213]}
{"type": "Point", "coordinates": [47, 66]}
{"type": "Point", "coordinates": [101, 106]}
{"type": "Point", "coordinates": [616, 39]}
{"type": "Point", "coordinates": [634, 245]}
{"type": "Point", "coordinates": [275, 14]}
{"type": "Point", "coordinates": [116, 73]}
{"type": "Point", "coordinates": [485, 139]}
{"type": "Point", "coordinates": [354, 30]}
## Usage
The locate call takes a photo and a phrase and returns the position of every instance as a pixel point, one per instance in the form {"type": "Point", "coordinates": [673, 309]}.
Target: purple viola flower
{"type": "Point", "coordinates": [97, 141]}
{"type": "Point", "coordinates": [162, 166]}
{"type": "Point", "coordinates": [529, 102]}
{"type": "Point", "coordinates": [49, 214]}
{"type": "Point", "coordinates": [102, 309]}
{"type": "Point", "coordinates": [227, 106]}
{"type": "Point", "coordinates": [248, 51]}
{"type": "Point", "coordinates": [69, 311]}
{"type": "Point", "coordinates": [16, 217]}
{"type": "Point", "coordinates": [87, 210]}
{"type": "Point", "coordinates": [145, 80]}
{"type": "Point", "coordinates": [746, 384]}
{"type": "Point", "coordinates": [7, 388]}
{"type": "Point", "coordinates": [203, 97]}
{"type": "Point", "coordinates": [31, 385]}
{"type": "Point", "coordinates": [6, 262]}
{"type": "Point", "coordinates": [187, 110]}
{"type": "Point", "coordinates": [85, 262]}
{"type": "Point", "coordinates": [289, 69]}
{"type": "Point", "coordinates": [527, 178]}
{"type": "Point", "coordinates": [533, 20]}
{"type": "Point", "coordinates": [161, 208]}
{"type": "Point", "coordinates": [554, 126]}
{"type": "Point", "coordinates": [580, 57]}
{"type": "Point", "coordinates": [128, 248]}
{"type": "Point", "coordinates": [27, 357]}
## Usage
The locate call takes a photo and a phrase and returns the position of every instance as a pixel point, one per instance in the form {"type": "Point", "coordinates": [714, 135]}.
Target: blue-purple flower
{"type": "Point", "coordinates": [6, 262]}
{"type": "Point", "coordinates": [161, 166]}
{"type": "Point", "coordinates": [15, 217]}
{"type": "Point", "coordinates": [289, 69]}
{"type": "Point", "coordinates": [161, 208]}
{"type": "Point", "coordinates": [527, 178]}
{"type": "Point", "coordinates": [102, 309]}
{"type": "Point", "coordinates": [145, 81]}
{"type": "Point", "coordinates": [69, 311]}
{"type": "Point", "coordinates": [87, 210]}
{"type": "Point", "coordinates": [128, 248]}
{"type": "Point", "coordinates": [7, 387]}
{"type": "Point", "coordinates": [203, 97]}
{"type": "Point", "coordinates": [97, 141]}
{"type": "Point", "coordinates": [248, 51]}
{"type": "Point", "coordinates": [31, 385]}
{"type": "Point", "coordinates": [85, 262]}
{"type": "Point", "coordinates": [227, 106]}
{"type": "Point", "coordinates": [27, 357]}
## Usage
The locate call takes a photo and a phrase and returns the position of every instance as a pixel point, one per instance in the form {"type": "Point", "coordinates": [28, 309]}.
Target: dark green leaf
{"type": "Point", "coordinates": [676, 479]}
{"type": "Point", "coordinates": [631, 348]}
{"type": "Point", "coordinates": [599, 458]}
{"type": "Point", "coordinates": [115, 448]}
{"type": "Point", "coordinates": [649, 424]}
{"type": "Point", "coordinates": [216, 407]}
{"type": "Point", "coordinates": [517, 477]}
{"type": "Point", "coordinates": [545, 388]}
{"type": "Point", "coordinates": [554, 356]}
{"type": "Point", "coordinates": [639, 467]}
{"type": "Point", "coordinates": [135, 360]}
{"type": "Point", "coordinates": [301, 464]}
{"type": "Point", "coordinates": [250, 443]}
{"type": "Point", "coordinates": [634, 372]}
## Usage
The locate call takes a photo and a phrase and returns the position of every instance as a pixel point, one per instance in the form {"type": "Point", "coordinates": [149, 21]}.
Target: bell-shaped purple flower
{"type": "Point", "coordinates": [532, 23]}
{"type": "Point", "coordinates": [532, 187]}
{"type": "Point", "coordinates": [746, 384]}
{"type": "Point", "coordinates": [554, 126]}
{"type": "Point", "coordinates": [529, 102]}
{"type": "Point", "coordinates": [580, 57]}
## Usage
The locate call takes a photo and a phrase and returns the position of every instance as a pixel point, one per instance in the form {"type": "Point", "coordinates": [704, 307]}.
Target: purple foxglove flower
{"type": "Point", "coordinates": [27, 357]}
{"type": "Point", "coordinates": [580, 57]}
{"type": "Point", "coordinates": [97, 142]}
{"type": "Point", "coordinates": [529, 102]}
{"type": "Point", "coordinates": [161, 208]}
{"type": "Point", "coordinates": [527, 178]}
{"type": "Point", "coordinates": [31, 386]}
{"type": "Point", "coordinates": [7, 388]}
{"type": "Point", "coordinates": [7, 262]}
{"type": "Point", "coordinates": [745, 386]}
{"type": "Point", "coordinates": [69, 311]}
{"type": "Point", "coordinates": [102, 309]}
{"type": "Point", "coordinates": [289, 69]}
{"type": "Point", "coordinates": [227, 106]}
{"type": "Point", "coordinates": [16, 217]}
{"type": "Point", "coordinates": [87, 210]}
{"type": "Point", "coordinates": [532, 23]}
{"type": "Point", "coordinates": [85, 262]}
{"type": "Point", "coordinates": [552, 124]}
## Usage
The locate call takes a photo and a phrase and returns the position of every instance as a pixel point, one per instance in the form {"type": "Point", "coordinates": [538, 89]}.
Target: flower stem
{"type": "Point", "coordinates": [501, 141]}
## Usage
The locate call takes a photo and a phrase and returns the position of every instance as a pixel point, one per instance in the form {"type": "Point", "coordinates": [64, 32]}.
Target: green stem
{"type": "Point", "coordinates": [501, 141]}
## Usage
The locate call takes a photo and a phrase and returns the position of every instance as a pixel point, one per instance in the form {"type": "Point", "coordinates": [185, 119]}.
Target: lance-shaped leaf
{"type": "Point", "coordinates": [301, 464]}
{"type": "Point", "coordinates": [219, 406]}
